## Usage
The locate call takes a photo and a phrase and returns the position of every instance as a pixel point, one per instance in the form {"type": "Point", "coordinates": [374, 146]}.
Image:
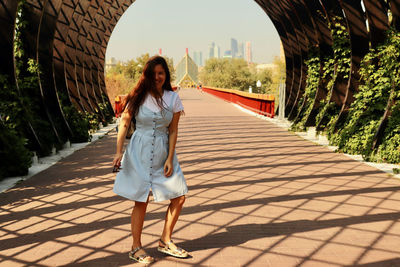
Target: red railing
{"type": "Point", "coordinates": [258, 103]}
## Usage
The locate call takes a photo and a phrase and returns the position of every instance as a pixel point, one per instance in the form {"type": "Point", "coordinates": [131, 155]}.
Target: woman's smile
{"type": "Point", "coordinates": [159, 75]}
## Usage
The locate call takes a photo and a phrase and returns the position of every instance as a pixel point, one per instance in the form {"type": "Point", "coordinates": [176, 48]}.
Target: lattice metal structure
{"type": "Point", "coordinates": [186, 72]}
{"type": "Point", "coordinates": [68, 38]}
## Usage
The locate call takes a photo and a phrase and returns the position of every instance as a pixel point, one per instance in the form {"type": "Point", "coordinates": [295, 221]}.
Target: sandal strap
{"type": "Point", "coordinates": [166, 244]}
{"type": "Point", "coordinates": [135, 250]}
{"type": "Point", "coordinates": [142, 256]}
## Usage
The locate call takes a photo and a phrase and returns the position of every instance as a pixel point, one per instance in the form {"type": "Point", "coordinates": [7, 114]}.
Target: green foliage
{"type": "Point", "coordinates": [235, 74]}
{"type": "Point", "coordinates": [29, 97]}
{"type": "Point", "coordinates": [306, 103]}
{"type": "Point", "coordinates": [389, 150]}
{"type": "Point", "coordinates": [336, 69]}
{"type": "Point", "coordinates": [78, 123]}
{"type": "Point", "coordinates": [106, 110]}
{"type": "Point", "coordinates": [380, 73]}
{"type": "Point", "coordinates": [227, 73]}
{"type": "Point", "coordinates": [128, 73]}
{"type": "Point", "coordinates": [15, 158]}
{"type": "Point", "coordinates": [265, 77]}
{"type": "Point", "coordinates": [94, 120]}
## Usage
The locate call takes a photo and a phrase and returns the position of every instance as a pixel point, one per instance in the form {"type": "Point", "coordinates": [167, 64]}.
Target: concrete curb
{"type": "Point", "coordinates": [310, 135]}
{"type": "Point", "coordinates": [46, 162]}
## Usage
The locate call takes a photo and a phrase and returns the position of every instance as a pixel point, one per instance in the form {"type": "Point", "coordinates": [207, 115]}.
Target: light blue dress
{"type": "Point", "coordinates": [142, 166]}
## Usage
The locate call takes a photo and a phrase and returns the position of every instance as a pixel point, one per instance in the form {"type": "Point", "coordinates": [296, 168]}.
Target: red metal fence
{"type": "Point", "coordinates": [258, 103]}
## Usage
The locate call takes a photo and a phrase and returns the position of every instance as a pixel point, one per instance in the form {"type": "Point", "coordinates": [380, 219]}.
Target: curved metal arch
{"type": "Point", "coordinates": [325, 42]}
{"type": "Point", "coordinates": [395, 8]}
{"type": "Point", "coordinates": [122, 6]}
{"type": "Point", "coordinates": [44, 58]}
{"type": "Point", "coordinates": [355, 18]}
{"type": "Point", "coordinates": [62, 74]}
{"type": "Point", "coordinates": [73, 55]}
{"type": "Point", "coordinates": [8, 13]}
{"type": "Point", "coordinates": [303, 43]}
{"type": "Point", "coordinates": [378, 21]}
{"type": "Point", "coordinates": [80, 31]}
{"type": "Point", "coordinates": [296, 55]}
{"type": "Point", "coordinates": [34, 14]}
{"type": "Point", "coordinates": [280, 27]}
{"type": "Point", "coordinates": [311, 32]}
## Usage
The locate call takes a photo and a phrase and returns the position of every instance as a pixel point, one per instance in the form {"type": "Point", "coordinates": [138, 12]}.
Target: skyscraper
{"type": "Point", "coordinates": [198, 58]}
{"type": "Point", "coordinates": [228, 54]}
{"type": "Point", "coordinates": [217, 51]}
{"type": "Point", "coordinates": [241, 50]}
{"type": "Point", "coordinates": [234, 48]}
{"type": "Point", "coordinates": [211, 50]}
{"type": "Point", "coordinates": [249, 53]}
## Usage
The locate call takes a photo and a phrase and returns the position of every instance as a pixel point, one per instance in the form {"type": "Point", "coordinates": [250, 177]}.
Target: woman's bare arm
{"type": "Point", "coordinates": [173, 136]}
{"type": "Point", "coordinates": [122, 130]}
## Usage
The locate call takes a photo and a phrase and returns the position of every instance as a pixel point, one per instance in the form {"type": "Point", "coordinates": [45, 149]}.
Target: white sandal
{"type": "Point", "coordinates": [176, 252]}
{"type": "Point", "coordinates": [143, 258]}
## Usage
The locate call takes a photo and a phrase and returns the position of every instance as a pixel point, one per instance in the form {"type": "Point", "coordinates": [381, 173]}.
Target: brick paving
{"type": "Point", "coordinates": [258, 196]}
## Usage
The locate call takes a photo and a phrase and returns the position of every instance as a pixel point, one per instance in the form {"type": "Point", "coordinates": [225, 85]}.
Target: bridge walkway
{"type": "Point", "coordinates": [258, 196]}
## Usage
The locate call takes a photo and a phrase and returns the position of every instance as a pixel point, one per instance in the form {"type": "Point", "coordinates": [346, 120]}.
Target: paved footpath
{"type": "Point", "coordinates": [258, 196]}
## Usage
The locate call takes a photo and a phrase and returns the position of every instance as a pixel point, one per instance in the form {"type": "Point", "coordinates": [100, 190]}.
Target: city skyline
{"type": "Point", "coordinates": [143, 28]}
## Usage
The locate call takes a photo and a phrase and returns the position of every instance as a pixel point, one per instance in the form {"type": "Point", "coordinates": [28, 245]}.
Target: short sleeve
{"type": "Point", "coordinates": [178, 106]}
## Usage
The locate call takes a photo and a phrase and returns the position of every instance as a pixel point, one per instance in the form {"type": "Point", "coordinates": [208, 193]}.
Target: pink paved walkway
{"type": "Point", "coordinates": [259, 196]}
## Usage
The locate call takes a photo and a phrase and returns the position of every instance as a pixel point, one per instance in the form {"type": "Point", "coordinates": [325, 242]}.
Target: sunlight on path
{"type": "Point", "coordinates": [258, 196]}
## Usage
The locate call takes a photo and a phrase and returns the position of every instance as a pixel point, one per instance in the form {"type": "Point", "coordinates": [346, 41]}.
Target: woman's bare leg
{"type": "Point", "coordinates": [173, 212]}
{"type": "Point", "coordinates": [137, 219]}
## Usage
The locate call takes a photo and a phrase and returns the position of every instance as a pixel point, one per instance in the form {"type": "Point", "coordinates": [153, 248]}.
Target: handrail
{"type": "Point", "coordinates": [258, 103]}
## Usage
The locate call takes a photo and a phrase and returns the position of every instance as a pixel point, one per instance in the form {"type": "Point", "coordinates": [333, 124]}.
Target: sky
{"type": "Point", "coordinates": [174, 25]}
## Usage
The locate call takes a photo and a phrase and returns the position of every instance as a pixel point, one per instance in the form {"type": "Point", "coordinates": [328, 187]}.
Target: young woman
{"type": "Point", "coordinates": [149, 161]}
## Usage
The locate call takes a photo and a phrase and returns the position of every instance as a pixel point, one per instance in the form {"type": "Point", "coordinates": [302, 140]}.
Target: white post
{"type": "Point", "coordinates": [282, 97]}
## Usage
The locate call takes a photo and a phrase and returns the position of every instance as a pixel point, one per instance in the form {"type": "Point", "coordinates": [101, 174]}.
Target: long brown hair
{"type": "Point", "coordinates": [146, 84]}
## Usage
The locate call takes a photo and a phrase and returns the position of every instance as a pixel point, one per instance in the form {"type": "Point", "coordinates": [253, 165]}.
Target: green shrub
{"type": "Point", "coordinates": [78, 123]}
{"type": "Point", "coordinates": [335, 70]}
{"type": "Point", "coordinates": [15, 158]}
{"type": "Point", "coordinates": [380, 83]}
{"type": "Point", "coordinates": [306, 104]}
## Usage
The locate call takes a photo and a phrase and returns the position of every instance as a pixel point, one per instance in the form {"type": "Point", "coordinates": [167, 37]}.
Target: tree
{"type": "Point", "coordinates": [121, 78]}
{"type": "Point", "coordinates": [226, 73]}
{"type": "Point", "coordinates": [265, 77]}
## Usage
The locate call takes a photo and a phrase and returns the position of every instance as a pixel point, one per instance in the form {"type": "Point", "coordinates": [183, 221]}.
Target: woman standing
{"type": "Point", "coordinates": [149, 161]}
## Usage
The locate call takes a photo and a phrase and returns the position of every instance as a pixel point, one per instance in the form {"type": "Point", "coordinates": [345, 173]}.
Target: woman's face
{"type": "Point", "coordinates": [159, 76]}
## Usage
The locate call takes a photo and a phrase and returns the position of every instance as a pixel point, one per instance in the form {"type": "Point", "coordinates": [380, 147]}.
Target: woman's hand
{"type": "Point", "coordinates": [168, 169]}
{"type": "Point", "coordinates": [117, 159]}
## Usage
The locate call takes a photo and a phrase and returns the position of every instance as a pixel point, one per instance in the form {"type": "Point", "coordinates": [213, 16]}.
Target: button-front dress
{"type": "Point", "coordinates": [142, 165]}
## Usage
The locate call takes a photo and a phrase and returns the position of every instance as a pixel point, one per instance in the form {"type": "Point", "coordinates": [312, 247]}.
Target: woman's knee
{"type": "Point", "coordinates": [179, 200]}
{"type": "Point", "coordinates": [139, 204]}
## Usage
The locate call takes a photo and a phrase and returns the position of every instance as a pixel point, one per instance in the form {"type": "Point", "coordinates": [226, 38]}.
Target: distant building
{"type": "Point", "coordinates": [234, 48]}
{"type": "Point", "coordinates": [198, 58]}
{"type": "Point", "coordinates": [217, 51]}
{"type": "Point", "coordinates": [211, 50]}
{"type": "Point", "coordinates": [241, 51]}
{"type": "Point", "coordinates": [249, 53]}
{"type": "Point", "coordinates": [228, 54]}
{"type": "Point", "coordinates": [112, 62]}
